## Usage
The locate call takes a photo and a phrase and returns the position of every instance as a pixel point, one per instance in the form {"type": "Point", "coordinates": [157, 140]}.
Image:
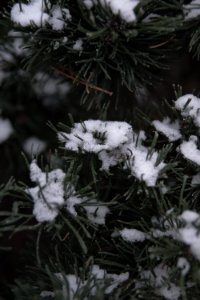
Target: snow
{"type": "Point", "coordinates": [6, 130]}
{"type": "Point", "coordinates": [98, 277]}
{"type": "Point", "coordinates": [191, 237]}
{"type": "Point", "coordinates": [189, 233]}
{"type": "Point", "coordinates": [96, 213]}
{"type": "Point", "coordinates": [56, 21]}
{"type": "Point", "coordinates": [170, 129]}
{"type": "Point", "coordinates": [192, 10]}
{"type": "Point", "coordinates": [133, 235]}
{"type": "Point", "coordinates": [33, 12]}
{"type": "Point", "coordinates": [95, 136]}
{"type": "Point", "coordinates": [158, 278]}
{"type": "Point", "coordinates": [45, 294]}
{"type": "Point", "coordinates": [48, 195]}
{"type": "Point", "coordinates": [189, 105]}
{"type": "Point", "coordinates": [190, 151]}
{"type": "Point", "coordinates": [125, 8]}
{"type": "Point", "coordinates": [195, 179]}
{"type": "Point", "coordinates": [71, 202]}
{"type": "Point", "coordinates": [184, 265]}
{"type": "Point", "coordinates": [189, 216]}
{"type": "Point", "coordinates": [115, 142]}
{"type": "Point", "coordinates": [143, 168]}
{"type": "Point", "coordinates": [78, 45]}
{"type": "Point", "coordinates": [34, 146]}
{"type": "Point", "coordinates": [58, 17]}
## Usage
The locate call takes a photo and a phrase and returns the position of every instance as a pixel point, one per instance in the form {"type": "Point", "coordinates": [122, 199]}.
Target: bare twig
{"type": "Point", "coordinates": [86, 83]}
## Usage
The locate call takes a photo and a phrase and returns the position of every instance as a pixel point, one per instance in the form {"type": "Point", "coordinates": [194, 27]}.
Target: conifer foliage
{"type": "Point", "coordinates": [103, 202]}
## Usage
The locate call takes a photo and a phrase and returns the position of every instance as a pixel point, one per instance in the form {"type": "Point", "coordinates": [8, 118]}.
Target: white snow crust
{"type": "Point", "coordinates": [35, 12]}
{"type": "Point", "coordinates": [192, 10]}
{"type": "Point", "coordinates": [78, 45]}
{"type": "Point", "coordinates": [125, 8]}
{"type": "Point", "coordinates": [190, 151]}
{"type": "Point", "coordinates": [132, 235]}
{"type": "Point", "coordinates": [170, 129]}
{"type": "Point", "coordinates": [189, 105]}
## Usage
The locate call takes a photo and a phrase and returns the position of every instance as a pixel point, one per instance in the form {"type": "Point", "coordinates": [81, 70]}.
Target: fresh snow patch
{"type": "Point", "coordinates": [33, 12]}
{"type": "Point", "coordinates": [95, 136]}
{"type": "Point", "coordinates": [58, 17]}
{"type": "Point", "coordinates": [78, 45]}
{"type": "Point", "coordinates": [190, 151]}
{"type": "Point", "coordinates": [189, 232]}
{"type": "Point", "coordinates": [170, 129]}
{"type": "Point", "coordinates": [48, 195]}
{"type": "Point", "coordinates": [98, 277]}
{"type": "Point", "coordinates": [192, 10]}
{"type": "Point", "coordinates": [189, 105]}
{"type": "Point", "coordinates": [125, 8]}
{"type": "Point", "coordinates": [71, 202]}
{"type": "Point", "coordinates": [144, 168]}
{"type": "Point", "coordinates": [6, 129]}
{"type": "Point", "coordinates": [191, 237]}
{"type": "Point", "coordinates": [132, 235]}
{"type": "Point", "coordinates": [96, 213]}
{"type": "Point", "coordinates": [189, 216]}
{"type": "Point", "coordinates": [36, 12]}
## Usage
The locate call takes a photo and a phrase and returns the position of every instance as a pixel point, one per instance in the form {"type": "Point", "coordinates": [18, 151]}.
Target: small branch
{"type": "Point", "coordinates": [161, 44]}
{"type": "Point", "coordinates": [86, 83]}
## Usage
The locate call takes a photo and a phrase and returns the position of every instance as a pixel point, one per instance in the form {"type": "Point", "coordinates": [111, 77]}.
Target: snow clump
{"type": "Point", "coordinates": [132, 235]}
{"type": "Point", "coordinates": [115, 142]}
{"type": "Point", "coordinates": [170, 129]}
{"type": "Point", "coordinates": [40, 13]}
{"type": "Point", "coordinates": [190, 151]}
{"type": "Point", "coordinates": [48, 195]}
{"type": "Point", "coordinates": [192, 10]}
{"type": "Point", "coordinates": [33, 12]}
{"type": "Point", "coordinates": [189, 106]}
{"type": "Point", "coordinates": [125, 8]}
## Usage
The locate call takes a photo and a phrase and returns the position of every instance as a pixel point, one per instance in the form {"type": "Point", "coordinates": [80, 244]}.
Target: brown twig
{"type": "Point", "coordinates": [161, 44]}
{"type": "Point", "coordinates": [86, 83]}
